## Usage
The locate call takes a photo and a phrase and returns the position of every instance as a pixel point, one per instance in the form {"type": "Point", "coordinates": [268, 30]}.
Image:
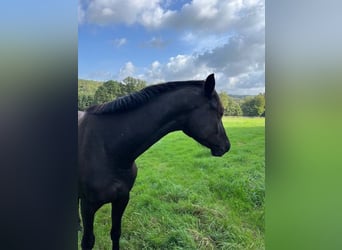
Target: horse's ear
{"type": "Point", "coordinates": [209, 85]}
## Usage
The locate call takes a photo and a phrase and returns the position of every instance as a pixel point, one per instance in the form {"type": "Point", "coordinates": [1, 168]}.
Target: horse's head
{"type": "Point", "coordinates": [204, 123]}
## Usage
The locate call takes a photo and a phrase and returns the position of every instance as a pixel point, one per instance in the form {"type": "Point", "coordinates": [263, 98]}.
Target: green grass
{"type": "Point", "coordinates": [184, 198]}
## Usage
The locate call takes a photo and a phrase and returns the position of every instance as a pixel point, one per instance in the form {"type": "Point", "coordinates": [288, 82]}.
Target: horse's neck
{"type": "Point", "coordinates": [168, 115]}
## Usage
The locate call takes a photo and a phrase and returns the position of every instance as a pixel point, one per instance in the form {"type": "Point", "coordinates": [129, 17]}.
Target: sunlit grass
{"type": "Point", "coordinates": [184, 198]}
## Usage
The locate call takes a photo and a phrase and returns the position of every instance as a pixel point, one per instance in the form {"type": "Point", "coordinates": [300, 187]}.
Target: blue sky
{"type": "Point", "coordinates": [163, 40]}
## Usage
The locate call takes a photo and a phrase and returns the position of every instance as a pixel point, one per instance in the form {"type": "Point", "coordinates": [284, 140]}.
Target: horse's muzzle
{"type": "Point", "coordinates": [219, 151]}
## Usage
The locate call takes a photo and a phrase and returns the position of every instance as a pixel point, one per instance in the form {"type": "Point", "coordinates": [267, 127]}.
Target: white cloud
{"type": "Point", "coordinates": [179, 63]}
{"type": "Point", "coordinates": [127, 70]}
{"type": "Point", "coordinates": [155, 17]}
{"type": "Point", "coordinates": [155, 73]}
{"type": "Point", "coordinates": [227, 37]}
{"type": "Point", "coordinates": [240, 79]}
{"type": "Point", "coordinates": [212, 16]}
{"type": "Point", "coordinates": [156, 42]}
{"type": "Point", "coordinates": [185, 67]}
{"type": "Point", "coordinates": [238, 66]}
{"type": "Point", "coordinates": [155, 65]}
{"type": "Point", "coordinates": [81, 13]}
{"type": "Point", "coordinates": [147, 12]}
{"type": "Point", "coordinates": [180, 67]}
{"type": "Point", "coordinates": [238, 62]}
{"type": "Point", "coordinates": [239, 55]}
{"type": "Point", "coordinates": [203, 43]}
{"type": "Point", "coordinates": [119, 42]}
{"type": "Point", "coordinates": [198, 15]}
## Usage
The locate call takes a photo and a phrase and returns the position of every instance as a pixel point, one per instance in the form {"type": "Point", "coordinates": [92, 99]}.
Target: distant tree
{"type": "Point", "coordinates": [80, 102]}
{"type": "Point", "coordinates": [85, 101]}
{"type": "Point", "coordinates": [254, 106]}
{"type": "Point", "coordinates": [224, 98]}
{"type": "Point", "coordinates": [88, 87]}
{"type": "Point", "coordinates": [247, 107]}
{"type": "Point", "coordinates": [132, 85]}
{"type": "Point", "coordinates": [260, 103]}
{"type": "Point", "coordinates": [230, 106]}
{"type": "Point", "coordinates": [109, 91]}
{"type": "Point", "coordinates": [234, 108]}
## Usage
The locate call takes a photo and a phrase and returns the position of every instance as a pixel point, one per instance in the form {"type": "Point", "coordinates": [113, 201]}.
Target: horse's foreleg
{"type": "Point", "coordinates": [118, 208]}
{"type": "Point", "coordinates": [88, 212]}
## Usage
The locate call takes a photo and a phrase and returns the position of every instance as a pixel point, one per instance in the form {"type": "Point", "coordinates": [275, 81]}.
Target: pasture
{"type": "Point", "coordinates": [184, 198]}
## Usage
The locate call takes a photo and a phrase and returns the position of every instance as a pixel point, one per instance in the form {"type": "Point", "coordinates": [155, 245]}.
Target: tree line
{"type": "Point", "coordinates": [89, 95]}
{"type": "Point", "coordinates": [92, 93]}
{"type": "Point", "coordinates": [247, 106]}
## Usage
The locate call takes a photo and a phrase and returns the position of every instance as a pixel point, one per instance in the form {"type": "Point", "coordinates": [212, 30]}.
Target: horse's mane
{"type": "Point", "coordinates": [139, 98]}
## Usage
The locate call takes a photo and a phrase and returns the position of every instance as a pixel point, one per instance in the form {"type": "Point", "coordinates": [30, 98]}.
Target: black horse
{"type": "Point", "coordinates": [112, 135]}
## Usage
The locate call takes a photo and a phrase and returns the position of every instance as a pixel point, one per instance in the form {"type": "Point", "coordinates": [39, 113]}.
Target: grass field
{"type": "Point", "coordinates": [184, 198]}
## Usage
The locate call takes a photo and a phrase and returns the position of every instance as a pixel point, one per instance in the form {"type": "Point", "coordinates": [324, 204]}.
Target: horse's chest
{"type": "Point", "coordinates": [107, 188]}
